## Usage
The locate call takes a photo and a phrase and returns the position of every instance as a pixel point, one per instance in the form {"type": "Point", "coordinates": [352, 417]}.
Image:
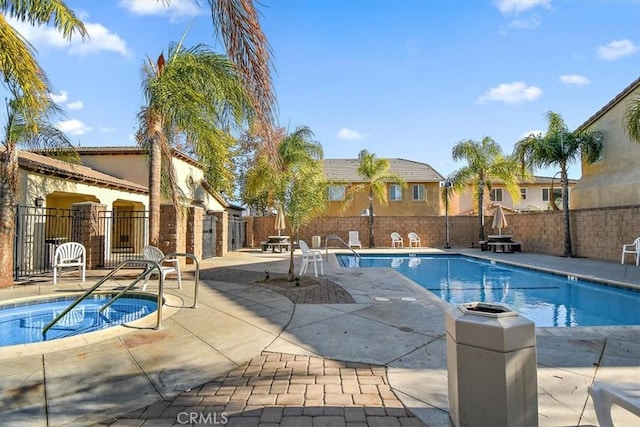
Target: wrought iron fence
{"type": "Point", "coordinates": [124, 234]}
{"type": "Point", "coordinates": [237, 233]}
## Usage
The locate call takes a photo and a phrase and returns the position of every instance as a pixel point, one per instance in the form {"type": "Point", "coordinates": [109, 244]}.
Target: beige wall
{"type": "Point", "coordinates": [614, 180]}
{"type": "Point", "coordinates": [533, 202]}
{"type": "Point", "coordinates": [404, 207]}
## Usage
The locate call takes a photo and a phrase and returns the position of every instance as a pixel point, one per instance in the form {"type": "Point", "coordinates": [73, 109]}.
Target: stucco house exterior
{"type": "Point", "coordinates": [419, 197]}
{"type": "Point", "coordinates": [614, 180]}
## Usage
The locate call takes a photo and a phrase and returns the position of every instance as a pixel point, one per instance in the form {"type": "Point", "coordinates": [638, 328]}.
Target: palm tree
{"type": "Point", "coordinates": [559, 147]}
{"type": "Point", "coordinates": [19, 69]}
{"type": "Point", "coordinates": [632, 119]}
{"type": "Point", "coordinates": [294, 182]}
{"type": "Point", "coordinates": [485, 164]}
{"type": "Point", "coordinates": [189, 98]}
{"type": "Point", "coordinates": [33, 133]}
{"type": "Point", "coordinates": [376, 174]}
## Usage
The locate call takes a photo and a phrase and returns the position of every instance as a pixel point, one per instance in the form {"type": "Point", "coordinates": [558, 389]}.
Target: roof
{"type": "Point", "coordinates": [347, 170]}
{"type": "Point", "coordinates": [43, 165]}
{"type": "Point", "coordinates": [617, 99]}
{"type": "Point", "coordinates": [546, 180]}
{"type": "Point", "coordinates": [122, 150]}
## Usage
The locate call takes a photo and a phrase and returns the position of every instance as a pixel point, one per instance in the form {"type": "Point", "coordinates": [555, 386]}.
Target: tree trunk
{"type": "Point", "coordinates": [8, 179]}
{"type": "Point", "coordinates": [292, 268]}
{"type": "Point", "coordinates": [481, 210]}
{"type": "Point", "coordinates": [565, 212]}
{"type": "Point", "coordinates": [155, 171]}
{"type": "Point", "coordinates": [372, 243]}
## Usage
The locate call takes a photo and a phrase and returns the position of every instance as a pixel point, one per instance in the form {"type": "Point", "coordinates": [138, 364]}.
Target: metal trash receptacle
{"type": "Point", "coordinates": [316, 242]}
{"type": "Point", "coordinates": [491, 366]}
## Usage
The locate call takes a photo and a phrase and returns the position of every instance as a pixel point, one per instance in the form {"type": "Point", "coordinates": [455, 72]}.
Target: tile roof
{"type": "Point", "coordinates": [37, 163]}
{"type": "Point", "coordinates": [346, 170]}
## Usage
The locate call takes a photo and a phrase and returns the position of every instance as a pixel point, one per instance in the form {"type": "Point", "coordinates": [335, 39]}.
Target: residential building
{"type": "Point", "coordinates": [613, 180]}
{"type": "Point", "coordinates": [420, 196]}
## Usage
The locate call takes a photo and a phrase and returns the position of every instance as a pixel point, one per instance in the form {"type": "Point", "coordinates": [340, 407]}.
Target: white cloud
{"type": "Point", "coordinates": [515, 7]}
{"type": "Point", "coordinates": [73, 127]}
{"type": "Point", "coordinates": [617, 49]}
{"type": "Point", "coordinates": [511, 93]}
{"type": "Point", "coordinates": [574, 79]}
{"type": "Point", "coordinates": [525, 24]}
{"type": "Point", "coordinates": [76, 105]}
{"type": "Point", "coordinates": [177, 10]}
{"type": "Point", "coordinates": [59, 98]}
{"type": "Point", "coordinates": [350, 135]}
{"type": "Point", "coordinates": [99, 39]}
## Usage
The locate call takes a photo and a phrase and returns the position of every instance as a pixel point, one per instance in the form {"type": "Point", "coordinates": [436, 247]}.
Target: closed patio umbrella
{"type": "Point", "coordinates": [499, 220]}
{"type": "Point", "coordinates": [280, 224]}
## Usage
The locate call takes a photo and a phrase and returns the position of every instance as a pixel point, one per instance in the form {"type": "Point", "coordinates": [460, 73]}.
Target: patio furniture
{"type": "Point", "coordinates": [354, 239]}
{"type": "Point", "coordinates": [276, 243]}
{"type": "Point", "coordinates": [414, 239]}
{"type": "Point", "coordinates": [308, 256]}
{"type": "Point", "coordinates": [154, 254]}
{"type": "Point", "coordinates": [396, 240]}
{"type": "Point", "coordinates": [70, 254]}
{"type": "Point", "coordinates": [631, 248]}
{"type": "Point", "coordinates": [625, 395]}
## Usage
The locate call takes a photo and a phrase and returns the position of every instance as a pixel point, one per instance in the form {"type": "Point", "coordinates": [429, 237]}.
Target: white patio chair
{"type": "Point", "coordinates": [414, 239]}
{"type": "Point", "coordinates": [631, 248]}
{"type": "Point", "coordinates": [354, 239]}
{"type": "Point", "coordinates": [70, 254]}
{"type": "Point", "coordinates": [396, 240]}
{"type": "Point", "coordinates": [154, 254]}
{"type": "Point", "coordinates": [604, 395]}
{"type": "Point", "coordinates": [308, 256]}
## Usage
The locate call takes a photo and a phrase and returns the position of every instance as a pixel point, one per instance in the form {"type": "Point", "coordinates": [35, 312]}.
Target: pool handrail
{"type": "Point", "coordinates": [336, 237]}
{"type": "Point", "coordinates": [153, 264]}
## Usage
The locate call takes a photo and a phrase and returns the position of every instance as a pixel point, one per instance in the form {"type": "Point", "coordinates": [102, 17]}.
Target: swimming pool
{"type": "Point", "coordinates": [22, 322]}
{"type": "Point", "coordinates": [546, 299]}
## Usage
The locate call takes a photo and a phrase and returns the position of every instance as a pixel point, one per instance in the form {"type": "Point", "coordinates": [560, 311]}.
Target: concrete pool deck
{"type": "Point", "coordinates": [343, 364]}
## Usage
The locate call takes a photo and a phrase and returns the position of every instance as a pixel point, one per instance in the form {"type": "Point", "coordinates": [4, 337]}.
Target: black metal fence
{"type": "Point", "coordinates": [237, 233]}
{"type": "Point", "coordinates": [124, 234]}
{"type": "Point", "coordinates": [38, 232]}
{"type": "Point", "coordinates": [209, 236]}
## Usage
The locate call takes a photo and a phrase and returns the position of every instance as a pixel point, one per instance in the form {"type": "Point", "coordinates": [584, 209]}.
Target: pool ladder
{"type": "Point", "coordinates": [338, 238]}
{"type": "Point", "coordinates": [150, 266]}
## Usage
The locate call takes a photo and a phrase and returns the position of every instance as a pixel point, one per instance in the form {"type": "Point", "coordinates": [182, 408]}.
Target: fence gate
{"type": "Point", "coordinates": [237, 233]}
{"type": "Point", "coordinates": [38, 232]}
{"type": "Point", "coordinates": [209, 236]}
{"type": "Point", "coordinates": [124, 234]}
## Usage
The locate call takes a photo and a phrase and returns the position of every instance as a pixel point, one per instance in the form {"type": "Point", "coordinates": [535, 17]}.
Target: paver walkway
{"type": "Point", "coordinates": [276, 389]}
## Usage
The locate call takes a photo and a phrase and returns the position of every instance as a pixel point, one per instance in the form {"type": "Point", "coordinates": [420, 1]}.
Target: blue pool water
{"type": "Point", "coordinates": [546, 299]}
{"type": "Point", "coordinates": [22, 323]}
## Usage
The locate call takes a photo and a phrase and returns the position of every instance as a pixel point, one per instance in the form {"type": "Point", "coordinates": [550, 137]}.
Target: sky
{"type": "Point", "coordinates": [401, 78]}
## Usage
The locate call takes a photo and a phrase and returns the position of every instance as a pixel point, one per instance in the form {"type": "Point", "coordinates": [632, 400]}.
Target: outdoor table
{"type": "Point", "coordinates": [276, 243]}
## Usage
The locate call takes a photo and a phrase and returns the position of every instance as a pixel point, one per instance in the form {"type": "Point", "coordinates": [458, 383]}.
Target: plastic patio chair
{"type": "Point", "coordinates": [396, 240]}
{"type": "Point", "coordinates": [308, 256]}
{"type": "Point", "coordinates": [354, 239]}
{"type": "Point", "coordinates": [604, 395]}
{"type": "Point", "coordinates": [154, 254]}
{"type": "Point", "coordinates": [414, 239]}
{"type": "Point", "coordinates": [70, 254]}
{"type": "Point", "coordinates": [631, 248]}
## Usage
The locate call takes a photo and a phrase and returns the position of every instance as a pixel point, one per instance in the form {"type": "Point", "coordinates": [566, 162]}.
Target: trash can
{"type": "Point", "coordinates": [316, 242]}
{"type": "Point", "coordinates": [491, 366]}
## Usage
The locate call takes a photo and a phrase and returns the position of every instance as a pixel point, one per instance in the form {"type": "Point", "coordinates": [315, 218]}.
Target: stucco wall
{"type": "Point", "coordinates": [596, 233]}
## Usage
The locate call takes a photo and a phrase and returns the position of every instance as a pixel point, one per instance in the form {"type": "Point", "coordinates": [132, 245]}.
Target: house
{"type": "Point", "coordinates": [613, 180]}
{"type": "Point", "coordinates": [537, 195]}
{"type": "Point", "coordinates": [420, 196]}
{"type": "Point", "coordinates": [109, 189]}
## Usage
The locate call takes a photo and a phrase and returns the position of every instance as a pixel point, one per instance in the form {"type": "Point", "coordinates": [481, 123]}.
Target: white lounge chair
{"type": "Point", "coordinates": [631, 248]}
{"type": "Point", "coordinates": [396, 240]}
{"type": "Point", "coordinates": [154, 254]}
{"type": "Point", "coordinates": [308, 256]}
{"type": "Point", "coordinates": [354, 239]}
{"type": "Point", "coordinates": [70, 254]}
{"type": "Point", "coordinates": [625, 395]}
{"type": "Point", "coordinates": [414, 239]}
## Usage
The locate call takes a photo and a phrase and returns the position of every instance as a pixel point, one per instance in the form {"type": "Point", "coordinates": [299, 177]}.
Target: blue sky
{"type": "Point", "coordinates": [401, 78]}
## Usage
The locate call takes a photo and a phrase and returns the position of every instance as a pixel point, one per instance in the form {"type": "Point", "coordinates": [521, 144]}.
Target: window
{"type": "Point", "coordinates": [395, 192]}
{"type": "Point", "coordinates": [557, 194]}
{"type": "Point", "coordinates": [523, 193]}
{"type": "Point", "coordinates": [336, 193]}
{"type": "Point", "coordinates": [418, 192]}
{"type": "Point", "coordinates": [495, 195]}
